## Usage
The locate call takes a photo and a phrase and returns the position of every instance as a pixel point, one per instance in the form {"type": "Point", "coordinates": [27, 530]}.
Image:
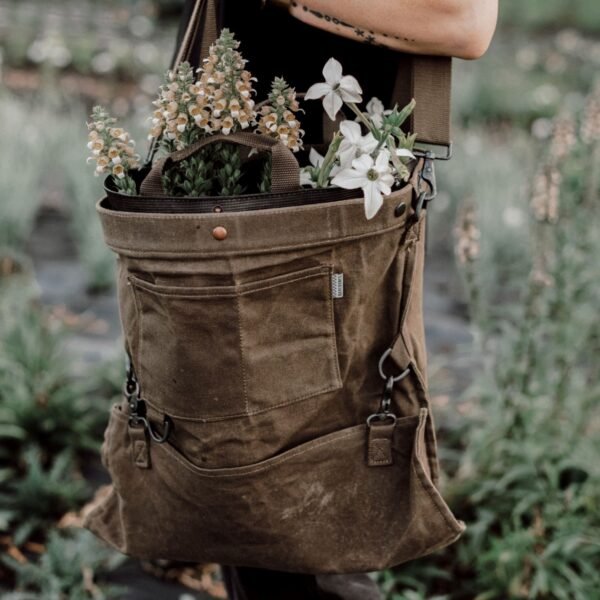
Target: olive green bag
{"type": "Point", "coordinates": [276, 411]}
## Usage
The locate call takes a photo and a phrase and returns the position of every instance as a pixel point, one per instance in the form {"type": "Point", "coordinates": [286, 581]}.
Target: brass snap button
{"type": "Point", "coordinates": [219, 233]}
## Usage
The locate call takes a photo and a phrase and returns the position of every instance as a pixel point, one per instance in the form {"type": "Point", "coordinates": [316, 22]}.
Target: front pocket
{"type": "Point", "coordinates": [315, 508]}
{"type": "Point", "coordinates": [210, 352]}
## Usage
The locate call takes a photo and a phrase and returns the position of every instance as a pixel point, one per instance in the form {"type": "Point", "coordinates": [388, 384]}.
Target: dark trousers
{"type": "Point", "coordinates": [244, 583]}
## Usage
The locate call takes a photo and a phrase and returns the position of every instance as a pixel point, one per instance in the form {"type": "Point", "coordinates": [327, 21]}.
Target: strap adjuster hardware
{"type": "Point", "coordinates": [137, 408]}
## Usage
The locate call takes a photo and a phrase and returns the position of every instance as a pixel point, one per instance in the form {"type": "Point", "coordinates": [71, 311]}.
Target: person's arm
{"type": "Point", "coordinates": [461, 28]}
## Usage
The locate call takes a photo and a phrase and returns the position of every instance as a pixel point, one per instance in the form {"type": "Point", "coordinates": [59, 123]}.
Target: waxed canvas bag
{"type": "Point", "coordinates": [276, 411]}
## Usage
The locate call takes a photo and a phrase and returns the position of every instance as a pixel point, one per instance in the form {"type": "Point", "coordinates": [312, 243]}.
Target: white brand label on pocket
{"type": "Point", "coordinates": [337, 285]}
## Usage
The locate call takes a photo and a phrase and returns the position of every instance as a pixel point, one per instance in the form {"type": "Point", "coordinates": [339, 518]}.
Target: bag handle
{"type": "Point", "coordinates": [285, 169]}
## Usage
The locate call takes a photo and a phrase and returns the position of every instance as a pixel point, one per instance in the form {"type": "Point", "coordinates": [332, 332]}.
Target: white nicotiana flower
{"type": "Point", "coordinates": [376, 111]}
{"type": "Point", "coordinates": [373, 176]}
{"type": "Point", "coordinates": [354, 143]}
{"type": "Point", "coordinates": [316, 161]}
{"type": "Point", "coordinates": [336, 89]}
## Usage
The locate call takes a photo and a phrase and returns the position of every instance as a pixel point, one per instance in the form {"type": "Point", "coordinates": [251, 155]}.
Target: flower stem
{"type": "Point", "coordinates": [329, 159]}
{"type": "Point", "coordinates": [395, 160]}
{"type": "Point", "coordinates": [363, 118]}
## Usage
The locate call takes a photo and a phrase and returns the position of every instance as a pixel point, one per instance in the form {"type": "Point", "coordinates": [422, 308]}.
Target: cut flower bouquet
{"type": "Point", "coordinates": [370, 152]}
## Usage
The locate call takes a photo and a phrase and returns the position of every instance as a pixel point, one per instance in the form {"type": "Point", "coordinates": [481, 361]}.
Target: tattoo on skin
{"type": "Point", "coordinates": [369, 37]}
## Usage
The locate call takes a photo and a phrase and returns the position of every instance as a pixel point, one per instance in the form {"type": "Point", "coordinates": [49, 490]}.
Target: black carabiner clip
{"type": "Point", "coordinates": [427, 175]}
{"type": "Point", "coordinates": [159, 438]}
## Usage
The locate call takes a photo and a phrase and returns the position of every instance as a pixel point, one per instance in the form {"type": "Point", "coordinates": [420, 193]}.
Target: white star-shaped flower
{"type": "Point", "coordinates": [376, 111]}
{"type": "Point", "coordinates": [374, 177]}
{"type": "Point", "coordinates": [354, 143]}
{"type": "Point", "coordinates": [336, 89]}
{"type": "Point", "coordinates": [308, 175]}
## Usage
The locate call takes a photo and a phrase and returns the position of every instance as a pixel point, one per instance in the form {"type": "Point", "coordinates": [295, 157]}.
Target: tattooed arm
{"type": "Point", "coordinates": [461, 28]}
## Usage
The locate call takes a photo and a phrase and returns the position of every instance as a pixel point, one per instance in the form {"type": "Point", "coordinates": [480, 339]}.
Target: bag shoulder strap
{"type": "Point", "coordinates": [428, 80]}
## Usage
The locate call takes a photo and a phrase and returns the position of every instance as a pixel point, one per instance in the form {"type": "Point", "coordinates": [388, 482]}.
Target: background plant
{"type": "Point", "coordinates": [526, 478]}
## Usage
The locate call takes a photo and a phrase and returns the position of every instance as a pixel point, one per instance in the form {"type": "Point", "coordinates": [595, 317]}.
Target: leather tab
{"type": "Point", "coordinates": [379, 446]}
{"type": "Point", "coordinates": [140, 448]}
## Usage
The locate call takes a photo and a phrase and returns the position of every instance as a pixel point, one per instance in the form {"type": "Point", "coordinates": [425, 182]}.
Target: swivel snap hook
{"type": "Point", "coordinates": [427, 176]}
{"type": "Point", "coordinates": [137, 418]}
{"type": "Point", "coordinates": [137, 408]}
{"type": "Point", "coordinates": [385, 404]}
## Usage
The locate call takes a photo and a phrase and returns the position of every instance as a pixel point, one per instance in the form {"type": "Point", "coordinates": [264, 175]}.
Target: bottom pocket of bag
{"type": "Point", "coordinates": [315, 508]}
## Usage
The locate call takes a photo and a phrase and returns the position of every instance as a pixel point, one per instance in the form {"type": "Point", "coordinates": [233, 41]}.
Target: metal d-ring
{"type": "Point", "coordinates": [382, 360]}
{"type": "Point", "coordinates": [382, 417]}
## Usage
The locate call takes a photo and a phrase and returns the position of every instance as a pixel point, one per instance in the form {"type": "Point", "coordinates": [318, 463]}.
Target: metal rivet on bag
{"type": "Point", "coordinates": [217, 208]}
{"type": "Point", "coordinates": [219, 233]}
{"type": "Point", "coordinates": [400, 209]}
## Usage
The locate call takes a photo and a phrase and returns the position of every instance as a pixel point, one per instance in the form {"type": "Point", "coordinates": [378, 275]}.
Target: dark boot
{"type": "Point", "coordinates": [244, 583]}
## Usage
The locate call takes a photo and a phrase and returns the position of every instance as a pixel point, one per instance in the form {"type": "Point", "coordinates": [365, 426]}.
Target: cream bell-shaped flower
{"type": "Point", "coordinates": [374, 177]}
{"type": "Point", "coordinates": [336, 89]}
{"type": "Point", "coordinates": [354, 143]}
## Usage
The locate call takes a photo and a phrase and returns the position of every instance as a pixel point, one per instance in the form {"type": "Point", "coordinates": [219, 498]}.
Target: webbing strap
{"type": "Point", "coordinates": [428, 80]}
{"type": "Point", "coordinates": [203, 22]}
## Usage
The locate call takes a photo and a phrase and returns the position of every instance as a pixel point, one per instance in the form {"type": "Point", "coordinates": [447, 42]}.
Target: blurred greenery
{"type": "Point", "coordinates": [51, 423]}
{"type": "Point", "coordinates": [66, 570]}
{"type": "Point", "coordinates": [525, 475]}
{"type": "Point", "coordinates": [521, 463]}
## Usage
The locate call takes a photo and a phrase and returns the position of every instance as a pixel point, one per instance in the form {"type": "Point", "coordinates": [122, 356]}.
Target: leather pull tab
{"type": "Point", "coordinates": [140, 448]}
{"type": "Point", "coordinates": [379, 445]}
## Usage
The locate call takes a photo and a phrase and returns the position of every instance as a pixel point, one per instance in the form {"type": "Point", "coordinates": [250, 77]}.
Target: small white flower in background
{"type": "Point", "coordinates": [336, 89]}
{"type": "Point", "coordinates": [309, 175]}
{"type": "Point", "coordinates": [373, 176]}
{"type": "Point", "coordinates": [354, 143]}
{"type": "Point", "coordinates": [376, 111]}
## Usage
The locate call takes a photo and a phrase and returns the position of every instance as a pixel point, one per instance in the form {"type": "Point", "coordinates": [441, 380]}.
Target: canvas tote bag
{"type": "Point", "coordinates": [276, 412]}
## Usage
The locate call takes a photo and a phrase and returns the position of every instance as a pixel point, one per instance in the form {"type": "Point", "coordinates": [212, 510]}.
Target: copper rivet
{"type": "Point", "coordinates": [217, 208]}
{"type": "Point", "coordinates": [400, 209]}
{"type": "Point", "coordinates": [219, 233]}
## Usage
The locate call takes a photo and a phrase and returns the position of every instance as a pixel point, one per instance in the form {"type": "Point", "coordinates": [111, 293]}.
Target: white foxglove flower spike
{"type": "Point", "coordinates": [374, 177]}
{"type": "Point", "coordinates": [336, 89]}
